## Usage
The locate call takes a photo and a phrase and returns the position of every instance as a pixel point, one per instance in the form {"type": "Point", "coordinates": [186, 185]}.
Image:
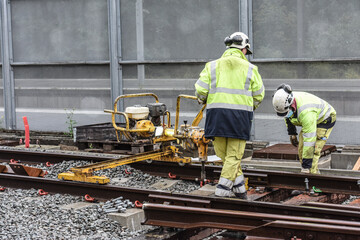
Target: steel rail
{"type": "Point", "coordinates": [303, 230]}
{"type": "Point", "coordinates": [43, 157]}
{"type": "Point", "coordinates": [327, 184]}
{"type": "Point", "coordinates": [331, 206]}
{"type": "Point", "coordinates": [104, 192]}
{"type": "Point", "coordinates": [274, 179]}
{"type": "Point", "coordinates": [190, 217]}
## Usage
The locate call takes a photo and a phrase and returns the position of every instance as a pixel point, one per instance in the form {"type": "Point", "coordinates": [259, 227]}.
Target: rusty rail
{"type": "Point", "coordinates": [160, 197]}
{"type": "Point", "coordinates": [286, 151]}
{"type": "Point", "coordinates": [255, 224]}
{"type": "Point", "coordinates": [274, 179]}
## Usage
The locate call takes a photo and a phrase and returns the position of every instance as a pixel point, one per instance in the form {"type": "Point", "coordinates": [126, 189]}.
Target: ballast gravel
{"type": "Point", "coordinates": [26, 215]}
{"type": "Point", "coordinates": [130, 177]}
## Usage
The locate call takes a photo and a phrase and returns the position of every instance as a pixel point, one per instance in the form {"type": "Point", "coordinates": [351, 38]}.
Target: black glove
{"type": "Point", "coordinates": [290, 127]}
{"type": "Point", "coordinates": [294, 141]}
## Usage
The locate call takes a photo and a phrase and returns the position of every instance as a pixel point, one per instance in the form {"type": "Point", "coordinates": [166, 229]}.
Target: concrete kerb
{"type": "Point", "coordinates": [131, 219]}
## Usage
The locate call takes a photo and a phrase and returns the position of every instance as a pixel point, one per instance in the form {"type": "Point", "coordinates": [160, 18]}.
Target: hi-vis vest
{"type": "Point", "coordinates": [232, 88]}
{"type": "Point", "coordinates": [311, 111]}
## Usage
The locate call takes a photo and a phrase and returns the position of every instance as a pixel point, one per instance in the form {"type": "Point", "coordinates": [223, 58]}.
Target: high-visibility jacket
{"type": "Point", "coordinates": [232, 88]}
{"type": "Point", "coordinates": [310, 112]}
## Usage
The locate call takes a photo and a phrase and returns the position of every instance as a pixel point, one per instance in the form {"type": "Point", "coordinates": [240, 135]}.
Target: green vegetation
{"type": "Point", "coordinates": [70, 122]}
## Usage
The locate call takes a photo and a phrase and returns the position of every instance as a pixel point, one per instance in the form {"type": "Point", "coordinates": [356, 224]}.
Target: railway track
{"type": "Point", "coordinates": [267, 178]}
{"type": "Point", "coordinates": [257, 218]}
{"type": "Point", "coordinates": [188, 211]}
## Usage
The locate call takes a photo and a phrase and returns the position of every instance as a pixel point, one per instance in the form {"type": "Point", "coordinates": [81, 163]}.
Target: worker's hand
{"type": "Point", "coordinates": [201, 101]}
{"type": "Point", "coordinates": [294, 141]}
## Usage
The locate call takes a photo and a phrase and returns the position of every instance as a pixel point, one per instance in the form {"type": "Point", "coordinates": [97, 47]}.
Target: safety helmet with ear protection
{"type": "Point", "coordinates": [282, 100]}
{"type": "Point", "coordinates": [238, 40]}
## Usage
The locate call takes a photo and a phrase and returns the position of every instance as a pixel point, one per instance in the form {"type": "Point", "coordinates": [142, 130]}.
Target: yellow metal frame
{"type": "Point", "coordinates": [166, 153]}
{"type": "Point", "coordinates": [85, 173]}
{"type": "Point", "coordinates": [196, 120]}
{"type": "Point", "coordinates": [127, 130]}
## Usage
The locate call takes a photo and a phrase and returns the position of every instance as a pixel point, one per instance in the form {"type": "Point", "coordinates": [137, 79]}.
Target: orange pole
{"type": "Point", "coordinates": [27, 132]}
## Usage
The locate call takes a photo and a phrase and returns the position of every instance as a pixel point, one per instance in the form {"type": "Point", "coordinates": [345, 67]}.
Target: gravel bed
{"type": "Point", "coordinates": [26, 215]}
{"type": "Point", "coordinates": [136, 179]}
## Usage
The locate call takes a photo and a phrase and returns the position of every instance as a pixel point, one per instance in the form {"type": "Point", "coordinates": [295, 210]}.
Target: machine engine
{"type": "Point", "coordinates": [145, 117]}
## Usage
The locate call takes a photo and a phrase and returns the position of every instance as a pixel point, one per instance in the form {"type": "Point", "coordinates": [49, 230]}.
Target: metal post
{"type": "Point", "coordinates": [7, 71]}
{"type": "Point", "coordinates": [140, 41]}
{"type": "Point", "coordinates": [301, 70]}
{"type": "Point", "coordinates": [115, 51]}
{"type": "Point", "coordinates": [245, 11]}
{"type": "Point", "coordinates": [244, 16]}
{"type": "Point", "coordinates": [300, 27]}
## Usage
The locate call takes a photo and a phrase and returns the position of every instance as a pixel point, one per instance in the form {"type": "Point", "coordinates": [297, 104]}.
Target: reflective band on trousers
{"type": "Point", "coordinates": [239, 185]}
{"type": "Point", "coordinates": [222, 192]}
{"type": "Point", "coordinates": [309, 144]}
{"type": "Point", "coordinates": [309, 135]}
{"type": "Point", "coordinates": [226, 182]}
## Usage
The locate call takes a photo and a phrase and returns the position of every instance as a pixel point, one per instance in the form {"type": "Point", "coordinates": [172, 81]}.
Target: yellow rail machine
{"type": "Point", "coordinates": [148, 123]}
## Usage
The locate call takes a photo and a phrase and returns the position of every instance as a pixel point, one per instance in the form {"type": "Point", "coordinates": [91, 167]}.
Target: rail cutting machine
{"type": "Point", "coordinates": [151, 123]}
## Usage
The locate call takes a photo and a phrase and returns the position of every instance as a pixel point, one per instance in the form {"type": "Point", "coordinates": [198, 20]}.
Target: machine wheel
{"type": "Point", "coordinates": [148, 160]}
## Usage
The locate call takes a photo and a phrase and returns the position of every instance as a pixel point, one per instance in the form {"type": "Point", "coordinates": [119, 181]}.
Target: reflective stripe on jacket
{"type": "Point", "coordinates": [311, 111]}
{"type": "Point", "coordinates": [232, 88]}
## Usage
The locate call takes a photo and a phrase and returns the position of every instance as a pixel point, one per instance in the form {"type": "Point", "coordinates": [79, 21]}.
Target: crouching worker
{"type": "Point", "coordinates": [316, 118]}
{"type": "Point", "coordinates": [232, 88]}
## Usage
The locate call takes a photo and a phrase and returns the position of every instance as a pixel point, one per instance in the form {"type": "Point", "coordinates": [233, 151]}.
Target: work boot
{"type": "Point", "coordinates": [305, 170]}
{"type": "Point", "coordinates": [241, 196]}
{"type": "Point", "coordinates": [219, 192]}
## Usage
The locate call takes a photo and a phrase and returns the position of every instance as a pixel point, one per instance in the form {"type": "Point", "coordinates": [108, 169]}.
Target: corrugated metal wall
{"type": "Point", "coordinates": [62, 56]}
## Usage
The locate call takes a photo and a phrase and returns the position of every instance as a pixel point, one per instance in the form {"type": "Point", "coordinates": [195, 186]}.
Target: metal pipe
{"type": "Point", "coordinates": [178, 110]}
{"type": "Point", "coordinates": [100, 62]}
{"type": "Point", "coordinates": [190, 61]}
{"type": "Point", "coordinates": [140, 41]}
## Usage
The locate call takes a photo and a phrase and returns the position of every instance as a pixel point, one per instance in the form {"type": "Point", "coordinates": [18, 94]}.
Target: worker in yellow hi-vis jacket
{"type": "Point", "coordinates": [316, 117]}
{"type": "Point", "coordinates": [232, 88]}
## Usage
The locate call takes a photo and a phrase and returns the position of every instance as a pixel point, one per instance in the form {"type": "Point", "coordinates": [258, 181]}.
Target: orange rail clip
{"type": "Point", "coordinates": [171, 175]}
{"type": "Point", "coordinates": [42, 192]}
{"type": "Point", "coordinates": [138, 204]}
{"type": "Point", "coordinates": [13, 161]}
{"type": "Point", "coordinates": [89, 199]}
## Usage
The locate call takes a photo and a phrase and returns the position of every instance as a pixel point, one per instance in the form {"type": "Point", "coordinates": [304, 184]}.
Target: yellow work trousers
{"type": "Point", "coordinates": [321, 133]}
{"type": "Point", "coordinates": [230, 150]}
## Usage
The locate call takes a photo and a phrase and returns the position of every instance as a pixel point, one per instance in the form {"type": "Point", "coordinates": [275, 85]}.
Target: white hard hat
{"type": "Point", "coordinates": [238, 40]}
{"type": "Point", "coordinates": [282, 100]}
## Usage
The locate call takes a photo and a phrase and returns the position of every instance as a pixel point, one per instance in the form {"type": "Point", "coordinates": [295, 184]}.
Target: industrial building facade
{"type": "Point", "coordinates": [76, 56]}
